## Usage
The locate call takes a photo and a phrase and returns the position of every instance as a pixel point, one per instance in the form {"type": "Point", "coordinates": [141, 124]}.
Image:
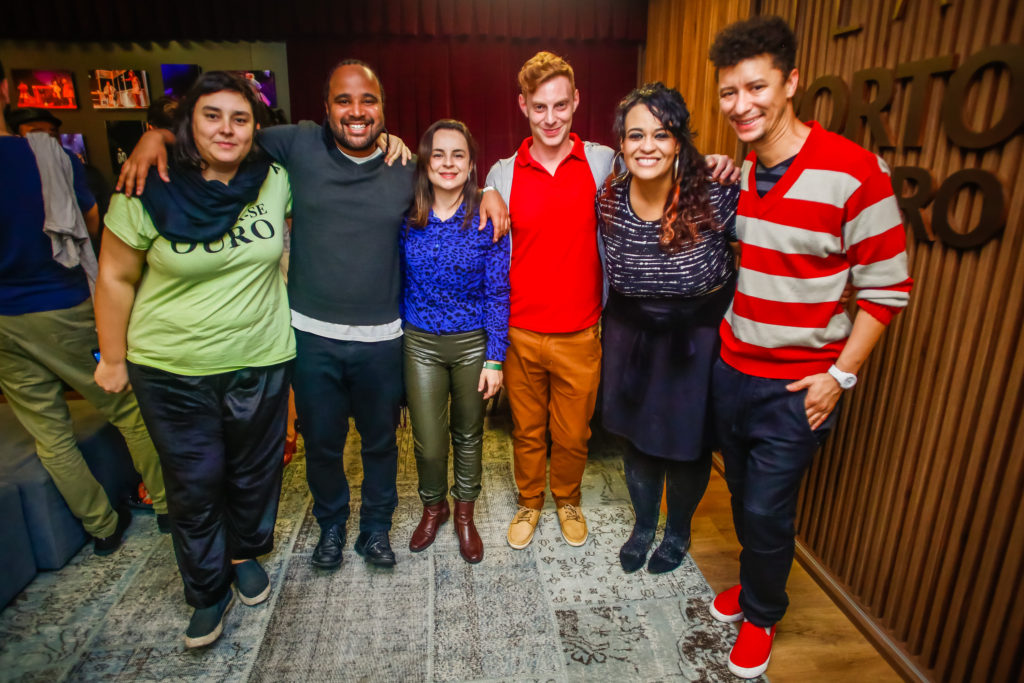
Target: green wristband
{"type": "Point", "coordinates": [491, 365]}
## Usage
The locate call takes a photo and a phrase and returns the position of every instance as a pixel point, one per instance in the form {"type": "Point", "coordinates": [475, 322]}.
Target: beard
{"type": "Point", "coordinates": [343, 140]}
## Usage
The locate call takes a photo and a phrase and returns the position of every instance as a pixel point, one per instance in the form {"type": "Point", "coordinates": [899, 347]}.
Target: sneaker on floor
{"type": "Point", "coordinates": [574, 527]}
{"type": "Point", "coordinates": [726, 605]}
{"type": "Point", "coordinates": [108, 544]}
{"type": "Point", "coordinates": [207, 623]}
{"type": "Point", "coordinates": [252, 582]}
{"type": "Point", "coordinates": [520, 531]}
{"type": "Point", "coordinates": [753, 648]}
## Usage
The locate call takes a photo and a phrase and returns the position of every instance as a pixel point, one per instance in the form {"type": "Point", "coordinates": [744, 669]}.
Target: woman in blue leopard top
{"type": "Point", "coordinates": [455, 308]}
{"type": "Point", "coordinates": [666, 232]}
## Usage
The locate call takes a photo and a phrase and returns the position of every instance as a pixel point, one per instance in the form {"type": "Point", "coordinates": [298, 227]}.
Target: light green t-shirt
{"type": "Point", "coordinates": [220, 306]}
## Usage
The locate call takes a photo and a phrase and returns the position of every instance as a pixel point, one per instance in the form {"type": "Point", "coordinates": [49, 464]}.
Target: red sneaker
{"type": "Point", "coordinates": [726, 605]}
{"type": "Point", "coordinates": [753, 648]}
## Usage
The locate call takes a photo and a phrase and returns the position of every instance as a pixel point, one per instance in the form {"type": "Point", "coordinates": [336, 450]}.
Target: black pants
{"type": "Point", "coordinates": [684, 483]}
{"type": "Point", "coordinates": [221, 445]}
{"type": "Point", "coordinates": [767, 446]}
{"type": "Point", "coordinates": [335, 379]}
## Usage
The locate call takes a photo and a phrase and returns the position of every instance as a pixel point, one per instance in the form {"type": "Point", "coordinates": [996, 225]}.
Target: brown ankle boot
{"type": "Point", "coordinates": [470, 546]}
{"type": "Point", "coordinates": [433, 516]}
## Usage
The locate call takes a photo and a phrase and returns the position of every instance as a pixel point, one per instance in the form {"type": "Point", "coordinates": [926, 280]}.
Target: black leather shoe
{"type": "Point", "coordinates": [108, 544]}
{"type": "Point", "coordinates": [375, 548]}
{"type": "Point", "coordinates": [327, 554]}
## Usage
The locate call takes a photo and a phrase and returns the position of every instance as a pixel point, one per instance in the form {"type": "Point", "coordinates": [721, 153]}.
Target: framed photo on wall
{"type": "Point", "coordinates": [49, 89]}
{"type": "Point", "coordinates": [178, 78]}
{"type": "Point", "coordinates": [119, 89]}
{"type": "Point", "coordinates": [262, 82]}
{"type": "Point", "coordinates": [122, 136]}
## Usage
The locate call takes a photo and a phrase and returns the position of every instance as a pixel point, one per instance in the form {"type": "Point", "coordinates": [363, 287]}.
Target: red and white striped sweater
{"type": "Point", "coordinates": [831, 217]}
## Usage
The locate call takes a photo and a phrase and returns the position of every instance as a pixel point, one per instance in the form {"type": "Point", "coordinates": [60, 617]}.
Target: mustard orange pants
{"type": "Point", "coordinates": [552, 382]}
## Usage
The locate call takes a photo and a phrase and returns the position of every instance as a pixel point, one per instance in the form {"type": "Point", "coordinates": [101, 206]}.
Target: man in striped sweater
{"type": "Point", "coordinates": [815, 211]}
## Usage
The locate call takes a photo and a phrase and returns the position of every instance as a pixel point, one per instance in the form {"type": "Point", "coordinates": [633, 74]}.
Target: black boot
{"type": "Point", "coordinates": [633, 553]}
{"type": "Point", "coordinates": [645, 479]}
{"type": "Point", "coordinates": [669, 554]}
{"type": "Point", "coordinates": [685, 484]}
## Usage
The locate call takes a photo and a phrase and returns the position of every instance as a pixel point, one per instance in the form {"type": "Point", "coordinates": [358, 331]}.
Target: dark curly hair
{"type": "Point", "coordinates": [755, 36]}
{"type": "Point", "coordinates": [423, 195]}
{"type": "Point", "coordinates": [185, 153]}
{"type": "Point", "coordinates": [688, 206]}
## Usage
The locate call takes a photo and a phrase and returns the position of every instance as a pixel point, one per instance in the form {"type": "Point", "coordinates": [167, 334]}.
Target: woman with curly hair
{"type": "Point", "coordinates": [666, 231]}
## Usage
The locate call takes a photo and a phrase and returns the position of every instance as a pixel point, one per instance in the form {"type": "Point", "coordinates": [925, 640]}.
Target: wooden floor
{"type": "Point", "coordinates": [814, 641]}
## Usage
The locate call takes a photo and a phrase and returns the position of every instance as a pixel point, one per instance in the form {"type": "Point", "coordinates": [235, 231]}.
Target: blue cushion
{"type": "Point", "coordinates": [18, 566]}
{"type": "Point", "coordinates": [56, 534]}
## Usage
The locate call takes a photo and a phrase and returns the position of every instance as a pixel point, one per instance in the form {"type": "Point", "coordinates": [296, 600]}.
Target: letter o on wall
{"type": "Point", "coordinates": [993, 216]}
{"type": "Point", "coordinates": [840, 101]}
{"type": "Point", "coordinates": [1011, 56]}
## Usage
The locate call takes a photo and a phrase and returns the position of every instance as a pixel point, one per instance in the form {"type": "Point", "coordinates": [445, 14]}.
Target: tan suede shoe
{"type": "Point", "coordinates": [574, 527]}
{"type": "Point", "coordinates": [520, 531]}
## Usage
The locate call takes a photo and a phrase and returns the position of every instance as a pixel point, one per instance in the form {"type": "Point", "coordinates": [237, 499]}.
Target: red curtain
{"type": "Point", "coordinates": [471, 79]}
{"type": "Point", "coordinates": [133, 20]}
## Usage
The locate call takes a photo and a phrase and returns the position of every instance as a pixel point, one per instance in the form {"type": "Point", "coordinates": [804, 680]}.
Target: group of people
{"type": "Point", "coordinates": [405, 279]}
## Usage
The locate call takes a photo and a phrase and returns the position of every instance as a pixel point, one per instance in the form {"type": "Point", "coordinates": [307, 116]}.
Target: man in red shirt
{"type": "Point", "coordinates": [553, 364]}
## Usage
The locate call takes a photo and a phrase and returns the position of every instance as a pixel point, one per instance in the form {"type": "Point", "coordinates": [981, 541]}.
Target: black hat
{"type": "Point", "coordinates": [18, 117]}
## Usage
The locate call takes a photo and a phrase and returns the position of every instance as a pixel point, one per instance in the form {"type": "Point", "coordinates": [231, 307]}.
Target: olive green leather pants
{"type": "Point", "coordinates": [441, 377]}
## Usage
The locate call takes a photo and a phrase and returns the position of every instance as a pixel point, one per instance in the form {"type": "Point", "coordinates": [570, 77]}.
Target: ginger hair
{"type": "Point", "coordinates": [542, 67]}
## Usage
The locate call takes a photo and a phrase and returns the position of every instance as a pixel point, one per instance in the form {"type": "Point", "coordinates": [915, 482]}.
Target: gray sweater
{"type": "Point", "coordinates": [344, 266]}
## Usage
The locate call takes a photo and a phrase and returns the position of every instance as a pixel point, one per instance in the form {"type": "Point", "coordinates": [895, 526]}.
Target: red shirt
{"type": "Point", "coordinates": [555, 275]}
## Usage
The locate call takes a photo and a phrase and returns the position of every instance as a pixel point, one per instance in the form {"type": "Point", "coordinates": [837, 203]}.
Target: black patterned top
{"type": "Point", "coordinates": [637, 266]}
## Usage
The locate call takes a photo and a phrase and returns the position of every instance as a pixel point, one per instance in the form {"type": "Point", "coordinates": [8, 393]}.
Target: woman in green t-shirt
{"type": "Point", "coordinates": [191, 308]}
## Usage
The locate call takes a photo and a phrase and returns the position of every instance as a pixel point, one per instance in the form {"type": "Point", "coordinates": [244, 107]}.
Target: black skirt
{"type": "Point", "coordinates": [656, 370]}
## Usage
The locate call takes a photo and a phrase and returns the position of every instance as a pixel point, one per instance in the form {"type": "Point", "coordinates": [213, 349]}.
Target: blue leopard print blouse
{"type": "Point", "coordinates": [456, 279]}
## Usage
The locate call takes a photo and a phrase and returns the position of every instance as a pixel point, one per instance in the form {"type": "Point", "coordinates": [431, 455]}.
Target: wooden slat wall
{"type": "Point", "coordinates": [677, 55]}
{"type": "Point", "coordinates": [915, 504]}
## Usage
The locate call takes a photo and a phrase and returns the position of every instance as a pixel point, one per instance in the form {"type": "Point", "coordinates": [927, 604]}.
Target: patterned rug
{"type": "Point", "coordinates": [549, 612]}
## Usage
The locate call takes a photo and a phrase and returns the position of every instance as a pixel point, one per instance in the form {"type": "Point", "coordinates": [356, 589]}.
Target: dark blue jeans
{"type": "Point", "coordinates": [333, 380]}
{"type": "Point", "coordinates": [221, 445]}
{"type": "Point", "coordinates": [767, 446]}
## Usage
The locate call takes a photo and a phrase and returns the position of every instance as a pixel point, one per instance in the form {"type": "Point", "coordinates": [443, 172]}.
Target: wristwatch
{"type": "Point", "coordinates": [846, 379]}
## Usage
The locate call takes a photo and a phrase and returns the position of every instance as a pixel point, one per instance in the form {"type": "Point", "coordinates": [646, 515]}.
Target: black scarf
{"type": "Point", "coordinates": [193, 209]}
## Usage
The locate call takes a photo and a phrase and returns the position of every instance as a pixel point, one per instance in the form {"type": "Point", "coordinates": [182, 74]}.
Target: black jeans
{"type": "Point", "coordinates": [333, 380]}
{"type": "Point", "coordinates": [221, 444]}
{"type": "Point", "coordinates": [683, 481]}
{"type": "Point", "coordinates": [767, 446]}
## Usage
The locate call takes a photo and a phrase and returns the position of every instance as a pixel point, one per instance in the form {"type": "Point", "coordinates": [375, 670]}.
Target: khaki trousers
{"type": "Point", "coordinates": [37, 351]}
{"type": "Point", "coordinates": [552, 382]}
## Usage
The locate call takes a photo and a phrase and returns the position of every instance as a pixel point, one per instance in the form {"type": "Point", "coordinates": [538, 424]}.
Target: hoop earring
{"type": "Point", "coordinates": [617, 163]}
{"type": "Point", "coordinates": [675, 173]}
